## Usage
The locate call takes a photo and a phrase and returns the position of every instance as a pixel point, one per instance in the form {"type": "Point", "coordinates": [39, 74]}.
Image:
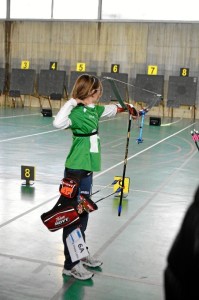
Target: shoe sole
{"type": "Point", "coordinates": [91, 266]}
{"type": "Point", "coordinates": [83, 278]}
{"type": "Point", "coordinates": [80, 278]}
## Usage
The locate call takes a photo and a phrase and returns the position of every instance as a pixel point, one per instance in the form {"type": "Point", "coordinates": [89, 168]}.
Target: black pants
{"type": "Point", "coordinates": [85, 186]}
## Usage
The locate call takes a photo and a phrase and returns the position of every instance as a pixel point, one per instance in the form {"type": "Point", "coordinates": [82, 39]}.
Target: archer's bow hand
{"type": "Point", "coordinates": [130, 108]}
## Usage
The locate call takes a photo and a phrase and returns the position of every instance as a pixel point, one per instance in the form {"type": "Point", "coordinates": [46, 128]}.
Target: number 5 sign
{"type": "Point", "coordinates": [81, 67]}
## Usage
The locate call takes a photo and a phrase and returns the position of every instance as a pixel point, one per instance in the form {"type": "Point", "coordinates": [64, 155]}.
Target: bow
{"type": "Point", "coordinates": [119, 98]}
{"type": "Point", "coordinates": [142, 113]}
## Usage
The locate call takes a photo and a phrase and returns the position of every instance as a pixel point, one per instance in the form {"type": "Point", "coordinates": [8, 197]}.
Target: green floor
{"type": "Point", "coordinates": [163, 173]}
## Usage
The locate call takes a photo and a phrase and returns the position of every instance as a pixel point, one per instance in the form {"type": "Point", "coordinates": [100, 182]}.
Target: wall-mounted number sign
{"type": "Point", "coordinates": [25, 64]}
{"type": "Point", "coordinates": [152, 70]}
{"type": "Point", "coordinates": [184, 72]}
{"type": "Point", "coordinates": [81, 67]}
{"type": "Point", "coordinates": [28, 173]}
{"type": "Point", "coordinates": [53, 65]}
{"type": "Point", "coordinates": [115, 68]}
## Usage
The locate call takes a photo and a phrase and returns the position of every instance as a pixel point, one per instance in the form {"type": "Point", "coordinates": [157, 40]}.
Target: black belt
{"type": "Point", "coordinates": [85, 134]}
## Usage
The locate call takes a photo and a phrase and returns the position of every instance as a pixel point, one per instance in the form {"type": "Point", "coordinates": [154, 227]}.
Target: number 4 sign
{"type": "Point", "coordinates": [53, 65]}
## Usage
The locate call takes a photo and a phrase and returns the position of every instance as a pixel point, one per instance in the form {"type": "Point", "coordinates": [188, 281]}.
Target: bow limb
{"type": "Point", "coordinates": [123, 105]}
{"type": "Point", "coordinates": [125, 164]}
{"type": "Point", "coordinates": [116, 92]}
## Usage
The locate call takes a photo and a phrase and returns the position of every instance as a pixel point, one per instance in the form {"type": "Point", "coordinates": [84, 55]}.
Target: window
{"type": "Point", "coordinates": [113, 10]}
{"type": "Point", "coordinates": [3, 4]}
{"type": "Point", "coordinates": [30, 9]}
{"type": "Point", "coordinates": [75, 9]}
{"type": "Point", "coordinates": [153, 10]}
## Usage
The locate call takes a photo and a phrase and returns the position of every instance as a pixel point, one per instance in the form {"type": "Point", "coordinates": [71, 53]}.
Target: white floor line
{"type": "Point", "coordinates": [45, 132]}
{"type": "Point", "coordinates": [168, 124]}
{"type": "Point", "coordinates": [142, 151]}
{"type": "Point", "coordinates": [18, 116]}
{"type": "Point", "coordinates": [29, 135]}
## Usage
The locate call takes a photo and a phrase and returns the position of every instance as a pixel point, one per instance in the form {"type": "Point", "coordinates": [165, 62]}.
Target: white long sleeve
{"type": "Point", "coordinates": [62, 120]}
{"type": "Point", "coordinates": [110, 110]}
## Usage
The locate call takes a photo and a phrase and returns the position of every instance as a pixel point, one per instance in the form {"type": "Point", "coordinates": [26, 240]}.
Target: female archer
{"type": "Point", "coordinates": [81, 114]}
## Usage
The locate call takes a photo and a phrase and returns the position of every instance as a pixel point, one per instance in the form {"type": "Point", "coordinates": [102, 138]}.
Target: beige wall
{"type": "Point", "coordinates": [132, 45]}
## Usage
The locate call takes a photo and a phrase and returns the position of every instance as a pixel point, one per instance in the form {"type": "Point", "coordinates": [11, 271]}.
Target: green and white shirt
{"type": "Point", "coordinates": [85, 152]}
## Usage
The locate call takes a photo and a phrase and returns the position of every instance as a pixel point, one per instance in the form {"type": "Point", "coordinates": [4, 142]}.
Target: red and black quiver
{"type": "Point", "coordinates": [69, 206]}
{"type": "Point", "coordinates": [64, 213]}
{"type": "Point", "coordinates": [61, 215]}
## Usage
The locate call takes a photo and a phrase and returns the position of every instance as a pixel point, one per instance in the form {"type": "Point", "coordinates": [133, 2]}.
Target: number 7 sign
{"type": "Point", "coordinates": [152, 70]}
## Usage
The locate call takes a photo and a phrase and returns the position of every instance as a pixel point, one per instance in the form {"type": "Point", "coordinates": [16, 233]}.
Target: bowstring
{"type": "Point", "coordinates": [153, 102]}
{"type": "Point", "coordinates": [136, 87]}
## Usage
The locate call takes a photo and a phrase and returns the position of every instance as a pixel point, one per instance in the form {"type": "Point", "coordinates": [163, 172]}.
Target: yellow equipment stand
{"type": "Point", "coordinates": [118, 184]}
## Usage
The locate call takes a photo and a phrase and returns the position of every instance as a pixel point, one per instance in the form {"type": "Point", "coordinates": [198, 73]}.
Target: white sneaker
{"type": "Point", "coordinates": [79, 272]}
{"type": "Point", "coordinates": [91, 261]}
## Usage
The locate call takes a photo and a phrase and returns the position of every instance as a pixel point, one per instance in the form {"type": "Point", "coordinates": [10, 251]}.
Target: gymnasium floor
{"type": "Point", "coordinates": [163, 173]}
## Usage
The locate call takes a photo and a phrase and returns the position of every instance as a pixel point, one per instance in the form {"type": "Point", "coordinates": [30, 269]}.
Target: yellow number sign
{"type": "Point", "coordinates": [152, 70]}
{"type": "Point", "coordinates": [115, 68]}
{"type": "Point", "coordinates": [25, 64]}
{"type": "Point", "coordinates": [184, 72]}
{"type": "Point", "coordinates": [81, 67]}
{"type": "Point", "coordinates": [53, 65]}
{"type": "Point", "coordinates": [28, 173]}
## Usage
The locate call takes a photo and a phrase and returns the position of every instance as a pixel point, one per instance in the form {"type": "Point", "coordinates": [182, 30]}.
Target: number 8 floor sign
{"type": "Point", "coordinates": [28, 173]}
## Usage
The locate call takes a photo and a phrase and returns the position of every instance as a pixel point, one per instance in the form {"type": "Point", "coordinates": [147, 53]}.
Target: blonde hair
{"type": "Point", "coordinates": [85, 86]}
